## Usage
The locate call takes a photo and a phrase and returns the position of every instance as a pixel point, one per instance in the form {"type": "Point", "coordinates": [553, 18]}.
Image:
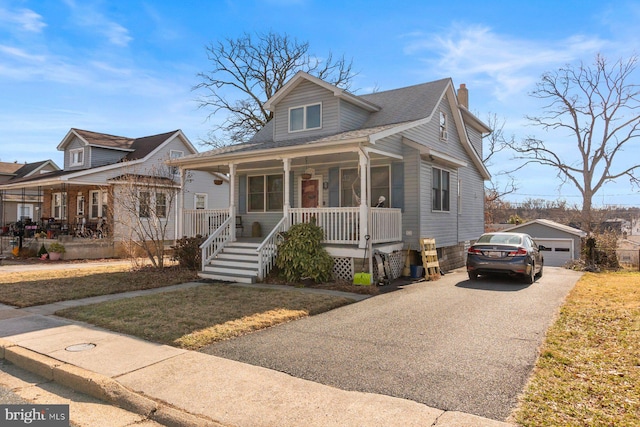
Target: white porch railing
{"type": "Point", "coordinates": [268, 249]}
{"type": "Point", "coordinates": [202, 221]}
{"type": "Point", "coordinates": [216, 241]}
{"type": "Point", "coordinates": [342, 225]}
{"type": "Point", "coordinates": [385, 225]}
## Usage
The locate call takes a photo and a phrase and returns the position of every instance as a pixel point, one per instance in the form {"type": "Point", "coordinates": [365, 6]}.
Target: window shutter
{"type": "Point", "coordinates": [334, 187]}
{"type": "Point", "coordinates": [397, 185]}
{"type": "Point", "coordinates": [242, 194]}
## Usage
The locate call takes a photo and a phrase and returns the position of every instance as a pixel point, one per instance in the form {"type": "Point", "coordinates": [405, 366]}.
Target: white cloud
{"type": "Point", "coordinates": [509, 64]}
{"type": "Point", "coordinates": [86, 15]}
{"type": "Point", "coordinates": [25, 19]}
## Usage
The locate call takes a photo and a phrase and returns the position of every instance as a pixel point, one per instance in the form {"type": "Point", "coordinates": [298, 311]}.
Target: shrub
{"type": "Point", "coordinates": [301, 256]}
{"type": "Point", "coordinates": [187, 252]}
{"type": "Point", "coordinates": [599, 251]}
{"type": "Point", "coordinates": [42, 251]}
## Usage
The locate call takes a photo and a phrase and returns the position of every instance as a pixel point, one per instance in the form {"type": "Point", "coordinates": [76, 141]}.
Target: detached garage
{"type": "Point", "coordinates": [562, 243]}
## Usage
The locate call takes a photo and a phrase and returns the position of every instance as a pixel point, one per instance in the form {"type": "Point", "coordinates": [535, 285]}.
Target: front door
{"type": "Point", "coordinates": [310, 194]}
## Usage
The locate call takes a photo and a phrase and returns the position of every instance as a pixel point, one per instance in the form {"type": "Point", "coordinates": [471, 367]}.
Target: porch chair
{"type": "Point", "coordinates": [239, 224]}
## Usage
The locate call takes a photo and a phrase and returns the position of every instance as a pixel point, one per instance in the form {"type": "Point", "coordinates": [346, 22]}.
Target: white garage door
{"type": "Point", "coordinates": [557, 251]}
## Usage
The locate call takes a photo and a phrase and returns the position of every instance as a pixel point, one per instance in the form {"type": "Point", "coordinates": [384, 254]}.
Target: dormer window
{"type": "Point", "coordinates": [77, 157]}
{"type": "Point", "coordinates": [305, 117]}
{"type": "Point", "coordinates": [443, 126]}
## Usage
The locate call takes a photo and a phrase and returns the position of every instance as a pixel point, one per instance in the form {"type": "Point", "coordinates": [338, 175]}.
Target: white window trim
{"type": "Point", "coordinates": [195, 200]}
{"type": "Point", "coordinates": [102, 204]}
{"type": "Point", "coordinates": [153, 207]}
{"type": "Point", "coordinates": [304, 117]}
{"type": "Point", "coordinates": [63, 205]}
{"type": "Point", "coordinates": [441, 199]}
{"type": "Point", "coordinates": [175, 154]}
{"type": "Point", "coordinates": [80, 208]}
{"type": "Point", "coordinates": [73, 157]}
{"type": "Point", "coordinates": [443, 127]}
{"type": "Point", "coordinates": [264, 193]}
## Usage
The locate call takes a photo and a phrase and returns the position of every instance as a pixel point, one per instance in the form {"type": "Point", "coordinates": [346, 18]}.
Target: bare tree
{"type": "Point", "coordinates": [143, 204]}
{"type": "Point", "coordinates": [600, 109]}
{"type": "Point", "coordinates": [493, 144]}
{"type": "Point", "coordinates": [249, 70]}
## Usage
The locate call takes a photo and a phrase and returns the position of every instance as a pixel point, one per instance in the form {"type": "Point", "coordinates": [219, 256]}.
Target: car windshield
{"type": "Point", "coordinates": [500, 238]}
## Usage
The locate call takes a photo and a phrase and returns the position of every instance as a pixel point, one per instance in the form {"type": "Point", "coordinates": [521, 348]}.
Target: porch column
{"type": "Point", "coordinates": [364, 198]}
{"type": "Point", "coordinates": [287, 184]}
{"type": "Point", "coordinates": [179, 231]}
{"type": "Point", "coordinates": [232, 200]}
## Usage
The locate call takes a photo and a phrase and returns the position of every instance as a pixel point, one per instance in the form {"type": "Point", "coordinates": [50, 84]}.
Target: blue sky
{"type": "Point", "coordinates": [127, 67]}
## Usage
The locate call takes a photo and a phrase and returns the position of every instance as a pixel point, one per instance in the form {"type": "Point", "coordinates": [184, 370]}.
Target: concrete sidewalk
{"type": "Point", "coordinates": [184, 388]}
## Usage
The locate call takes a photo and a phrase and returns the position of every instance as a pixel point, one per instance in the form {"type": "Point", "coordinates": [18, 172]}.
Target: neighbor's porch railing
{"type": "Point", "coordinates": [202, 221]}
{"type": "Point", "coordinates": [342, 225]}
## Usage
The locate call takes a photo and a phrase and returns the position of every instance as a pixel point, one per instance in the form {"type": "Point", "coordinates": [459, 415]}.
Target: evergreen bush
{"type": "Point", "coordinates": [301, 255]}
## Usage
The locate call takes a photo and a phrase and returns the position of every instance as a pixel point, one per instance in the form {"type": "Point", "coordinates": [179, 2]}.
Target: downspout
{"type": "Point", "coordinates": [179, 228]}
{"type": "Point", "coordinates": [365, 180]}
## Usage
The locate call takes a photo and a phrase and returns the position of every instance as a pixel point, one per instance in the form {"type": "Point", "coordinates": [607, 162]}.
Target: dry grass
{"type": "Point", "coordinates": [588, 373]}
{"type": "Point", "coordinates": [193, 318]}
{"type": "Point", "coordinates": [44, 287]}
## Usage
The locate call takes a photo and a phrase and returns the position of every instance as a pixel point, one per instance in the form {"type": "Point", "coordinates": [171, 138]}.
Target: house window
{"type": "Point", "coordinates": [350, 186]}
{"type": "Point", "coordinates": [305, 117]}
{"type": "Point", "coordinates": [161, 205]}
{"type": "Point", "coordinates": [144, 201]}
{"type": "Point", "coordinates": [98, 204]}
{"type": "Point", "coordinates": [200, 201]}
{"type": "Point", "coordinates": [77, 156]}
{"type": "Point", "coordinates": [440, 190]}
{"type": "Point", "coordinates": [25, 211]}
{"type": "Point", "coordinates": [443, 126]}
{"type": "Point", "coordinates": [175, 154]}
{"type": "Point", "coordinates": [59, 205]}
{"type": "Point", "coordinates": [266, 193]}
{"type": "Point", "coordinates": [80, 205]}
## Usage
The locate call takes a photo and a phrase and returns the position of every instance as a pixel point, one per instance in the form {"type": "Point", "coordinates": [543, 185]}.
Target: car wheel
{"type": "Point", "coordinates": [539, 275]}
{"type": "Point", "coordinates": [473, 276]}
{"type": "Point", "coordinates": [531, 277]}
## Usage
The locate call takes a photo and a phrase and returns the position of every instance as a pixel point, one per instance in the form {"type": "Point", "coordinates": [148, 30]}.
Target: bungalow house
{"type": "Point", "coordinates": [86, 198]}
{"type": "Point", "coordinates": [21, 204]}
{"type": "Point", "coordinates": [332, 156]}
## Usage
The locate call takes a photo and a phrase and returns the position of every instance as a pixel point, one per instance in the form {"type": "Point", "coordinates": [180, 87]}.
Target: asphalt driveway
{"type": "Point", "coordinates": [451, 344]}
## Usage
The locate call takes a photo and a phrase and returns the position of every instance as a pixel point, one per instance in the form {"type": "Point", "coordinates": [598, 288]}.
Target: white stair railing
{"type": "Point", "coordinates": [215, 242]}
{"type": "Point", "coordinates": [268, 249]}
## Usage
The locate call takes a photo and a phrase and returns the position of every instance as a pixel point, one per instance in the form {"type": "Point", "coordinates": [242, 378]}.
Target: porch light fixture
{"type": "Point", "coordinates": [306, 176]}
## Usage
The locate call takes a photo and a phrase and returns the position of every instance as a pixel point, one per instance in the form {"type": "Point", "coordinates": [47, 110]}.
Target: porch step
{"type": "Point", "coordinates": [238, 262]}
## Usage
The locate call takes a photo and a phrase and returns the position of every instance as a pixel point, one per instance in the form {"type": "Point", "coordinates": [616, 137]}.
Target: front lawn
{"type": "Point", "coordinates": [588, 372]}
{"type": "Point", "coordinates": [30, 288]}
{"type": "Point", "coordinates": [195, 317]}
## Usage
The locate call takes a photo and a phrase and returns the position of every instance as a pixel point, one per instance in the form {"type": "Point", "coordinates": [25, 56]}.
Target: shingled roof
{"type": "Point", "coordinates": [396, 106]}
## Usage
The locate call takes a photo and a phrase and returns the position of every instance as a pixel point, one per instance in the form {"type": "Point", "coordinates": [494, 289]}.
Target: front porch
{"type": "Point", "coordinates": [347, 238]}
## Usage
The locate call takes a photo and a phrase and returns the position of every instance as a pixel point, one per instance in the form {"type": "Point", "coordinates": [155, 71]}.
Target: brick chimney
{"type": "Point", "coordinates": [463, 96]}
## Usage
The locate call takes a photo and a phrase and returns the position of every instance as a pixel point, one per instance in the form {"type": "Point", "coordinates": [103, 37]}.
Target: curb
{"type": "Point", "coordinates": [100, 387]}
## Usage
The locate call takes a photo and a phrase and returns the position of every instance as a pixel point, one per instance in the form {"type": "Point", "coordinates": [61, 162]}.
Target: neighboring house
{"type": "Point", "coordinates": [330, 155]}
{"type": "Point", "coordinates": [88, 193]}
{"type": "Point", "coordinates": [561, 242]}
{"type": "Point", "coordinates": [16, 204]}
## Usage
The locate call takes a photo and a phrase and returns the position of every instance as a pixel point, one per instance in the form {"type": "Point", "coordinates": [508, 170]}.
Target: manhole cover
{"type": "Point", "coordinates": [80, 347]}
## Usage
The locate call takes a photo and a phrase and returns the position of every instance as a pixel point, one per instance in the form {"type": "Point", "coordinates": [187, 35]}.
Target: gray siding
{"type": "Point", "coordinates": [307, 93]}
{"type": "Point", "coordinates": [104, 156]}
{"type": "Point", "coordinates": [351, 116]}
